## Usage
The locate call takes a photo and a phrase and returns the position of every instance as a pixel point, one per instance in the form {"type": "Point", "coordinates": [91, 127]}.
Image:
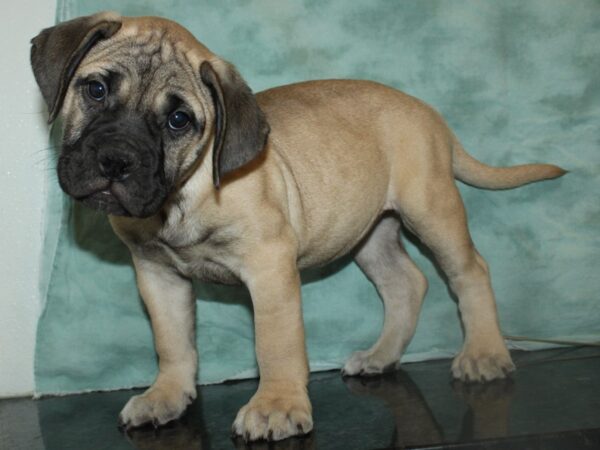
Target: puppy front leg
{"type": "Point", "coordinates": [171, 305]}
{"type": "Point", "coordinates": [280, 407]}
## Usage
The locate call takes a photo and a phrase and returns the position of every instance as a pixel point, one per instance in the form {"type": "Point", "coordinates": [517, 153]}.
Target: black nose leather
{"type": "Point", "coordinates": [115, 168]}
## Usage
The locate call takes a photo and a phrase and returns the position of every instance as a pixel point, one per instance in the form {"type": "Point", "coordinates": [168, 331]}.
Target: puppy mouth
{"type": "Point", "coordinates": [105, 199]}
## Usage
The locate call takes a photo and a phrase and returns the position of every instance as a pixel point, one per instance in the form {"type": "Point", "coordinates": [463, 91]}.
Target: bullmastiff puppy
{"type": "Point", "coordinates": [202, 178]}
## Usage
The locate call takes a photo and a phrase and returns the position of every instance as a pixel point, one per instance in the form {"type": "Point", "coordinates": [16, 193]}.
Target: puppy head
{"type": "Point", "coordinates": [141, 101]}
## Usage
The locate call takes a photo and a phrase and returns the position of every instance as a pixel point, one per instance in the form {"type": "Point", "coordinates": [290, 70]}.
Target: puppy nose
{"type": "Point", "coordinates": [115, 167]}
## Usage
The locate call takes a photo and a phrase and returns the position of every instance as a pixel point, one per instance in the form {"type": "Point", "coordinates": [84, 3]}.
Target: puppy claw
{"type": "Point", "coordinates": [473, 368]}
{"type": "Point", "coordinates": [274, 417]}
{"type": "Point", "coordinates": [156, 407]}
{"type": "Point", "coordinates": [122, 425]}
{"type": "Point", "coordinates": [368, 364]}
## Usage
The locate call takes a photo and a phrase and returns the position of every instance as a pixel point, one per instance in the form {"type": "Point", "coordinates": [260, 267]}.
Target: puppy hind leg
{"type": "Point", "coordinates": [439, 220]}
{"type": "Point", "coordinates": [402, 287]}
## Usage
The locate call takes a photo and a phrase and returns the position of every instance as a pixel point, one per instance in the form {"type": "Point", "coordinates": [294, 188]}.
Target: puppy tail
{"type": "Point", "coordinates": [468, 170]}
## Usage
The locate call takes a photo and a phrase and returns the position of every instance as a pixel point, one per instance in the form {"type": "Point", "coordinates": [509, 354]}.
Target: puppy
{"type": "Point", "coordinates": [202, 178]}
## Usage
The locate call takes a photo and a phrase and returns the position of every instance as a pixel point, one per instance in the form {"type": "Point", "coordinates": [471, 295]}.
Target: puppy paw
{"type": "Point", "coordinates": [273, 414]}
{"type": "Point", "coordinates": [365, 363]}
{"type": "Point", "coordinates": [481, 367]}
{"type": "Point", "coordinates": [158, 406]}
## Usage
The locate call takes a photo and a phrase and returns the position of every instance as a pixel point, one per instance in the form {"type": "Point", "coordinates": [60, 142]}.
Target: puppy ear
{"type": "Point", "coordinates": [57, 52]}
{"type": "Point", "coordinates": [241, 129]}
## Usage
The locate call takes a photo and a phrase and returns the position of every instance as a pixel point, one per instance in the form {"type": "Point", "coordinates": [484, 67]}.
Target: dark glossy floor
{"type": "Point", "coordinates": [552, 402]}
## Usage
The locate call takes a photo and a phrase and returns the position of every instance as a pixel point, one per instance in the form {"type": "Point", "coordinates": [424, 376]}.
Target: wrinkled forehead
{"type": "Point", "coordinates": [148, 55]}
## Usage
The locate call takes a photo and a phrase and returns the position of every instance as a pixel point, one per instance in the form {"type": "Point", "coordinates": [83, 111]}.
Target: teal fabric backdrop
{"type": "Point", "coordinates": [517, 81]}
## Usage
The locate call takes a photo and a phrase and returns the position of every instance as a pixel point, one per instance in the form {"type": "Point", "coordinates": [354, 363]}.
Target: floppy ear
{"type": "Point", "coordinates": [241, 129]}
{"type": "Point", "coordinates": [57, 52]}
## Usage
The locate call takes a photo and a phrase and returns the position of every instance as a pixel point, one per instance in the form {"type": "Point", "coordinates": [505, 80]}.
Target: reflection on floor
{"type": "Point", "coordinates": [553, 401]}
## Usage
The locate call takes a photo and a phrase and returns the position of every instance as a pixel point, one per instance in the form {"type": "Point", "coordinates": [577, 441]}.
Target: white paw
{"type": "Point", "coordinates": [158, 406]}
{"type": "Point", "coordinates": [480, 366]}
{"type": "Point", "coordinates": [366, 363]}
{"type": "Point", "coordinates": [274, 415]}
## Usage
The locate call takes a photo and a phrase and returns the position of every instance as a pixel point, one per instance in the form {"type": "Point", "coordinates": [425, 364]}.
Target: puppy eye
{"type": "Point", "coordinates": [178, 120]}
{"type": "Point", "coordinates": [96, 90]}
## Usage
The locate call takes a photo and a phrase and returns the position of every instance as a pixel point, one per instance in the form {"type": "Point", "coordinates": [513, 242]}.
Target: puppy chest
{"type": "Point", "coordinates": [211, 271]}
{"type": "Point", "coordinates": [204, 259]}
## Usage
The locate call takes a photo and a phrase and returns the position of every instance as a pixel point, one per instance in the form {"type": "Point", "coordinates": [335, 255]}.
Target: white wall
{"type": "Point", "coordinates": [24, 162]}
